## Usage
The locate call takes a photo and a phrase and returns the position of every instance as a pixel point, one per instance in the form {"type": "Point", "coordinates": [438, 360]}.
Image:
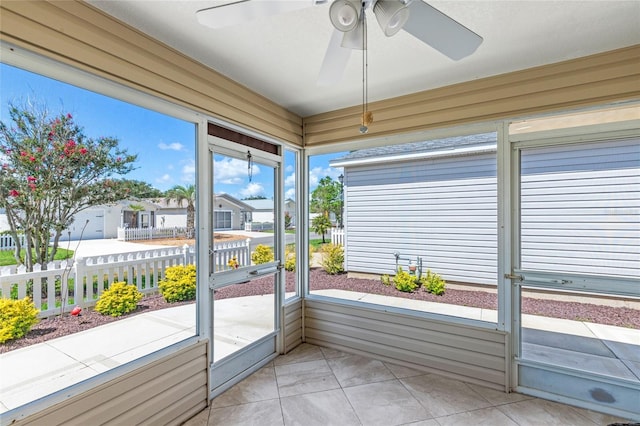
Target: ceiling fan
{"type": "Point", "coordinates": [416, 17]}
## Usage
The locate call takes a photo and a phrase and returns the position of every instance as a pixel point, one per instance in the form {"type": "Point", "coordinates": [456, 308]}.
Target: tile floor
{"type": "Point", "coordinates": [318, 386]}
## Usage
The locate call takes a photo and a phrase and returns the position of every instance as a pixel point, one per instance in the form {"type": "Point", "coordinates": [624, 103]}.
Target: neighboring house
{"type": "Point", "coordinates": [262, 210]}
{"type": "Point", "coordinates": [452, 226]}
{"type": "Point", "coordinates": [231, 213]}
{"type": "Point", "coordinates": [103, 221]}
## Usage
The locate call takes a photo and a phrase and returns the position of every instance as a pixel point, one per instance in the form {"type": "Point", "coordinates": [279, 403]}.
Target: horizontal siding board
{"type": "Point", "coordinates": [77, 34]}
{"type": "Point", "coordinates": [422, 335]}
{"type": "Point", "coordinates": [408, 320]}
{"type": "Point", "coordinates": [467, 353]}
{"type": "Point", "coordinates": [432, 350]}
{"type": "Point", "coordinates": [112, 400]}
{"type": "Point", "coordinates": [292, 325]}
{"type": "Point", "coordinates": [588, 220]}
{"type": "Point", "coordinates": [443, 210]}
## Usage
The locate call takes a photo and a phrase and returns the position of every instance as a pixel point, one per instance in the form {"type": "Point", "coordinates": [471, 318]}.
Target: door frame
{"type": "Point", "coordinates": [556, 382]}
{"type": "Point", "coordinates": [231, 369]}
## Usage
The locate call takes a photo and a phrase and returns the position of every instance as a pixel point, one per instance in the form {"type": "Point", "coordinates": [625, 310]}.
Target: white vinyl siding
{"type": "Point", "coordinates": [443, 210]}
{"type": "Point", "coordinates": [580, 208]}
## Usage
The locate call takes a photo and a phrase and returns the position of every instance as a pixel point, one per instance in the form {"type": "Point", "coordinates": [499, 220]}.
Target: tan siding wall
{"type": "Point", "coordinates": [592, 80]}
{"type": "Point", "coordinates": [165, 392]}
{"type": "Point", "coordinates": [292, 325]}
{"type": "Point", "coordinates": [471, 354]}
{"type": "Point", "coordinates": [75, 33]}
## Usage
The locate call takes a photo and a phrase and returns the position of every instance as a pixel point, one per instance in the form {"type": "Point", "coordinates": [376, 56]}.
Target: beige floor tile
{"type": "Point", "coordinates": [496, 397]}
{"type": "Point", "coordinates": [430, 422]}
{"type": "Point", "coordinates": [262, 413]}
{"type": "Point", "coordinates": [200, 419]}
{"type": "Point", "coordinates": [400, 371]}
{"type": "Point", "coordinates": [302, 353]}
{"type": "Point", "coordinates": [385, 403]}
{"type": "Point", "coordinates": [486, 416]}
{"type": "Point", "coordinates": [305, 377]}
{"type": "Point", "coordinates": [332, 353]}
{"type": "Point", "coordinates": [601, 418]}
{"type": "Point", "coordinates": [356, 370]}
{"type": "Point", "coordinates": [536, 412]}
{"type": "Point", "coordinates": [260, 386]}
{"type": "Point", "coordinates": [442, 396]}
{"type": "Point", "coordinates": [328, 408]}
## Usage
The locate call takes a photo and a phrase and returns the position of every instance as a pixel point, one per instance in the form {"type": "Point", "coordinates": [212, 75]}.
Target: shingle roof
{"type": "Point", "coordinates": [420, 147]}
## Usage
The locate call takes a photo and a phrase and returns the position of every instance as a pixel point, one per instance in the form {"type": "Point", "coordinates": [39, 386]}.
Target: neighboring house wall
{"type": "Point", "coordinates": [443, 210]}
{"type": "Point", "coordinates": [580, 213]}
{"type": "Point", "coordinates": [581, 208]}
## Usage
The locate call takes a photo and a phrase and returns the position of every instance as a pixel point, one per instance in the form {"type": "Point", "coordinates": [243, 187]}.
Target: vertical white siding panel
{"type": "Point", "coordinates": [581, 208]}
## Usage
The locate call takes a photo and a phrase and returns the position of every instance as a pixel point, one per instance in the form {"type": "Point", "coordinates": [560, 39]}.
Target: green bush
{"type": "Point", "coordinates": [179, 283]}
{"type": "Point", "coordinates": [120, 299]}
{"type": "Point", "coordinates": [433, 283]}
{"type": "Point", "coordinates": [333, 258]}
{"type": "Point", "coordinates": [289, 260]}
{"type": "Point", "coordinates": [385, 279]}
{"type": "Point", "coordinates": [16, 318]}
{"type": "Point", "coordinates": [263, 254]}
{"type": "Point", "coordinates": [404, 281]}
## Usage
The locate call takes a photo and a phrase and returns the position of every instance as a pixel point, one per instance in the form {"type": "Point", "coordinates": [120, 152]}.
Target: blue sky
{"type": "Point", "coordinates": [165, 145]}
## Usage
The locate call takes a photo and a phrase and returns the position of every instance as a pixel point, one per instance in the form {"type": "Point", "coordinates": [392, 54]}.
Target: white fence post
{"type": "Point", "coordinates": [337, 236]}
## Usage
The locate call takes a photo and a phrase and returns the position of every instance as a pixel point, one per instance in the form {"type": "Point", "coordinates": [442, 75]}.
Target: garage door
{"type": "Point", "coordinates": [94, 229]}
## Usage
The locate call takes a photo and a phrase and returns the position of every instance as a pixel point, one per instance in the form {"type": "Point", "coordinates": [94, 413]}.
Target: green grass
{"type": "Point", "coordinates": [6, 256]}
{"type": "Point", "coordinates": [317, 243]}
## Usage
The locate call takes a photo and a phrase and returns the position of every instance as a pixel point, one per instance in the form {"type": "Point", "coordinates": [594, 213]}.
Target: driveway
{"type": "Point", "coordinates": [86, 248]}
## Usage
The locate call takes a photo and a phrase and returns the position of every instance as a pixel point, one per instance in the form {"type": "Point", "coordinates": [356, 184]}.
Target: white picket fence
{"type": "Point", "coordinates": [130, 234]}
{"type": "Point", "coordinates": [64, 285]}
{"type": "Point", "coordinates": [337, 236]}
{"type": "Point", "coordinates": [8, 243]}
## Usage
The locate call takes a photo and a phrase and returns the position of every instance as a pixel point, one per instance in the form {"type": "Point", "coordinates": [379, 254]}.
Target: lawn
{"type": "Point", "coordinates": [6, 256]}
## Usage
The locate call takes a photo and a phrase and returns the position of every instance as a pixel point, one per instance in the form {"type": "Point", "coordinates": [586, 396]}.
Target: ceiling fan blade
{"type": "Point", "coordinates": [335, 61]}
{"type": "Point", "coordinates": [231, 14]}
{"type": "Point", "coordinates": [441, 32]}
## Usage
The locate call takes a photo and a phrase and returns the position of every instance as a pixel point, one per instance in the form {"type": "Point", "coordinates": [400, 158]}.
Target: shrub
{"type": "Point", "coordinates": [433, 283]}
{"type": "Point", "coordinates": [262, 254]}
{"type": "Point", "coordinates": [289, 260]}
{"type": "Point", "coordinates": [333, 258]}
{"type": "Point", "coordinates": [385, 279]}
{"type": "Point", "coordinates": [404, 281]}
{"type": "Point", "coordinates": [120, 299]}
{"type": "Point", "coordinates": [16, 318]}
{"type": "Point", "coordinates": [179, 283]}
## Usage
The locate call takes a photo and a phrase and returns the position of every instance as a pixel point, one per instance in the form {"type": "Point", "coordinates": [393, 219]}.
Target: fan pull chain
{"type": "Point", "coordinates": [249, 165]}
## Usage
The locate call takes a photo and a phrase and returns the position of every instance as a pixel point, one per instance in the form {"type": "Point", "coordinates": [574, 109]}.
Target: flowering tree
{"type": "Point", "coordinates": [49, 172]}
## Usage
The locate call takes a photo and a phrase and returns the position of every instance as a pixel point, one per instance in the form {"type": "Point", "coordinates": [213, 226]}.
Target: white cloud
{"type": "Point", "coordinates": [189, 171]}
{"type": "Point", "coordinates": [290, 168]}
{"type": "Point", "coordinates": [290, 181]}
{"type": "Point", "coordinates": [253, 189]}
{"type": "Point", "coordinates": [164, 178]}
{"type": "Point", "coordinates": [318, 173]}
{"type": "Point", "coordinates": [232, 171]}
{"type": "Point", "coordinates": [176, 146]}
{"type": "Point", "coordinates": [290, 194]}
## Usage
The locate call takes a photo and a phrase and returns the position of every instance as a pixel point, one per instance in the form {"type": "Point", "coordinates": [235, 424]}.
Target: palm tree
{"type": "Point", "coordinates": [185, 193]}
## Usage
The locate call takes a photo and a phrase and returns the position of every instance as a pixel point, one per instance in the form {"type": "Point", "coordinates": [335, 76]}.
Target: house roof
{"type": "Point", "coordinates": [265, 205]}
{"type": "Point", "coordinates": [446, 147]}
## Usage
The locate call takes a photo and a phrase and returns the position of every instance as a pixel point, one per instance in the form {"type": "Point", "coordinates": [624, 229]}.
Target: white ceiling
{"type": "Point", "coordinates": [280, 56]}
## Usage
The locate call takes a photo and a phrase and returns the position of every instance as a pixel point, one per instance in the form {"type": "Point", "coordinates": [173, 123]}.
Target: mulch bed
{"type": "Point", "coordinates": [62, 325]}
